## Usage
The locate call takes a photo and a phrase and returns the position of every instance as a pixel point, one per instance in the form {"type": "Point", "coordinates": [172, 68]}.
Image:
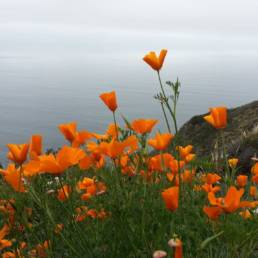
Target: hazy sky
{"type": "Point", "coordinates": [209, 16]}
{"type": "Point", "coordinates": [27, 25]}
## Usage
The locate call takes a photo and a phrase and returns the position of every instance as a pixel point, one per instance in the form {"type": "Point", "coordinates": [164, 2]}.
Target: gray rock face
{"type": "Point", "coordinates": [240, 135]}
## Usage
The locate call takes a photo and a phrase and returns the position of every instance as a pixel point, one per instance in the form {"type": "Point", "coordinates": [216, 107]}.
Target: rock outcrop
{"type": "Point", "coordinates": [241, 134]}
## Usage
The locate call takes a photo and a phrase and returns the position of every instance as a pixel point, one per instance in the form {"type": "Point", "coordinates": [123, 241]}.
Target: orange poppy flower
{"type": "Point", "coordinates": [8, 255]}
{"type": "Point", "coordinates": [178, 245]}
{"type": "Point", "coordinates": [233, 162]}
{"type": "Point", "coordinates": [245, 214]}
{"type": "Point", "coordinates": [63, 193]}
{"type": "Point", "coordinates": [69, 131]}
{"type": "Point", "coordinates": [113, 130]}
{"type": "Point", "coordinates": [4, 242]}
{"type": "Point", "coordinates": [85, 162]}
{"type": "Point", "coordinates": [252, 191]}
{"type": "Point", "coordinates": [155, 163]}
{"type": "Point", "coordinates": [211, 178]}
{"type": "Point", "coordinates": [154, 61]}
{"type": "Point", "coordinates": [98, 159]}
{"type": "Point", "coordinates": [17, 152]}
{"type": "Point", "coordinates": [113, 148]}
{"type": "Point", "coordinates": [254, 168]}
{"type": "Point", "coordinates": [242, 180]}
{"type": "Point", "coordinates": [170, 197]}
{"type": "Point", "coordinates": [59, 228]}
{"type": "Point", "coordinates": [13, 177]}
{"type": "Point", "coordinates": [41, 249]}
{"type": "Point", "coordinates": [184, 151]}
{"type": "Point", "coordinates": [143, 126]}
{"type": "Point", "coordinates": [131, 144]}
{"type": "Point", "coordinates": [91, 187]}
{"type": "Point", "coordinates": [35, 146]}
{"type": "Point", "coordinates": [213, 212]}
{"type": "Point", "coordinates": [72, 135]}
{"type": "Point", "coordinates": [161, 141]}
{"type": "Point", "coordinates": [230, 203]}
{"type": "Point", "coordinates": [86, 182]}
{"type": "Point", "coordinates": [210, 188]}
{"type": "Point", "coordinates": [66, 157]}
{"type": "Point", "coordinates": [109, 98]}
{"type": "Point", "coordinates": [217, 117]}
{"type": "Point", "coordinates": [187, 176]}
{"type": "Point", "coordinates": [255, 178]}
{"type": "Point", "coordinates": [4, 231]}
{"type": "Point", "coordinates": [175, 165]}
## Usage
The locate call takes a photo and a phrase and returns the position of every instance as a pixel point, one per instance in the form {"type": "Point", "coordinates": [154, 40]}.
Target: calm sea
{"type": "Point", "coordinates": [40, 91]}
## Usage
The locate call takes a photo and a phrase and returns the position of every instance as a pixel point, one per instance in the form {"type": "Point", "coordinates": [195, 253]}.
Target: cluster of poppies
{"type": "Point", "coordinates": [133, 152]}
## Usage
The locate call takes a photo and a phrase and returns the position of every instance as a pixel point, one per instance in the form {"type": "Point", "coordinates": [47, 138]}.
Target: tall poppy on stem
{"type": "Point", "coordinates": [13, 176]}
{"type": "Point", "coordinates": [71, 134]}
{"type": "Point", "coordinates": [155, 61]}
{"type": "Point", "coordinates": [109, 98]}
{"type": "Point", "coordinates": [143, 126]}
{"type": "Point", "coordinates": [18, 152]}
{"type": "Point", "coordinates": [161, 141]}
{"type": "Point", "coordinates": [35, 146]}
{"type": "Point", "coordinates": [170, 197]}
{"type": "Point", "coordinates": [217, 117]}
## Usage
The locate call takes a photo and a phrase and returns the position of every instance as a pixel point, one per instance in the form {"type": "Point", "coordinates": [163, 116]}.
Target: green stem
{"type": "Point", "coordinates": [167, 104]}
{"type": "Point", "coordinates": [114, 117]}
{"type": "Point", "coordinates": [165, 115]}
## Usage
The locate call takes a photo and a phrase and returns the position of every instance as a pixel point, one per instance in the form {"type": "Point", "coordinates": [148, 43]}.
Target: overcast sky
{"type": "Point", "coordinates": [27, 23]}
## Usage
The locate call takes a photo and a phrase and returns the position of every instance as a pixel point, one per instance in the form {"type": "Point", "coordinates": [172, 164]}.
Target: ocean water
{"type": "Point", "coordinates": [39, 90]}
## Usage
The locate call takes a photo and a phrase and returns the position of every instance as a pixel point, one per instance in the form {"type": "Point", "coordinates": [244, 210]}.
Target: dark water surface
{"type": "Point", "coordinates": [38, 92]}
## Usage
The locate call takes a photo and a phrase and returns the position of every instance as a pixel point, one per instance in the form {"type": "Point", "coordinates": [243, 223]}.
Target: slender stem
{"type": "Point", "coordinates": [225, 154]}
{"type": "Point", "coordinates": [165, 115]}
{"type": "Point", "coordinates": [20, 178]}
{"type": "Point", "coordinates": [167, 104]}
{"type": "Point", "coordinates": [114, 117]}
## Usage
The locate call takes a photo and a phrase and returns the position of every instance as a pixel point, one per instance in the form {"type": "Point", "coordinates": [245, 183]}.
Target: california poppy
{"type": "Point", "coordinates": [66, 157]}
{"type": "Point", "coordinates": [13, 176]}
{"type": "Point", "coordinates": [154, 61]}
{"type": "Point", "coordinates": [64, 192]}
{"type": "Point", "coordinates": [217, 117]}
{"type": "Point", "coordinates": [109, 98]}
{"type": "Point", "coordinates": [211, 178]}
{"type": "Point", "coordinates": [76, 138]}
{"type": "Point", "coordinates": [178, 245]}
{"type": "Point", "coordinates": [113, 130]}
{"type": "Point", "coordinates": [4, 242]}
{"type": "Point", "coordinates": [242, 180]}
{"type": "Point", "coordinates": [35, 146]}
{"type": "Point", "coordinates": [18, 152]}
{"type": "Point", "coordinates": [245, 214]}
{"type": "Point", "coordinates": [143, 126]}
{"type": "Point", "coordinates": [160, 162]}
{"type": "Point", "coordinates": [113, 148]}
{"type": "Point", "coordinates": [252, 191]}
{"type": "Point", "coordinates": [210, 188]}
{"type": "Point", "coordinates": [170, 197]}
{"type": "Point", "coordinates": [230, 203]}
{"type": "Point", "coordinates": [213, 212]}
{"type": "Point", "coordinates": [254, 169]}
{"type": "Point", "coordinates": [184, 151]}
{"type": "Point", "coordinates": [161, 141]}
{"type": "Point", "coordinates": [175, 165]}
{"type": "Point", "coordinates": [233, 162]}
{"type": "Point", "coordinates": [85, 162]}
{"type": "Point", "coordinates": [187, 176]}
